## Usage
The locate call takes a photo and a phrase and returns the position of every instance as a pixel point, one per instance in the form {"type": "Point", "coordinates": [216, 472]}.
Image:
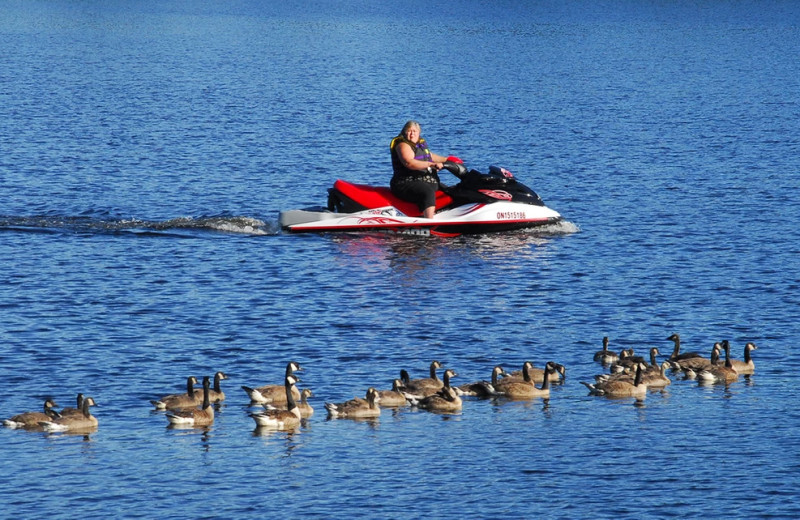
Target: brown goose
{"type": "Point", "coordinates": [691, 366]}
{"type": "Point", "coordinates": [526, 389]}
{"type": "Point", "coordinates": [394, 397]}
{"type": "Point", "coordinates": [83, 422]}
{"type": "Point", "coordinates": [32, 420]}
{"type": "Point", "coordinates": [288, 419]}
{"type": "Point", "coordinates": [215, 394]}
{"type": "Point", "coordinates": [482, 389]}
{"type": "Point", "coordinates": [537, 374]}
{"type": "Point", "coordinates": [274, 394]}
{"type": "Point", "coordinates": [620, 388]}
{"type": "Point", "coordinates": [67, 410]}
{"type": "Point", "coordinates": [445, 400]}
{"type": "Point", "coordinates": [676, 351]}
{"type": "Point", "coordinates": [720, 373]}
{"type": "Point", "coordinates": [605, 356]}
{"type": "Point", "coordinates": [202, 416]}
{"type": "Point", "coordinates": [357, 408]}
{"type": "Point", "coordinates": [425, 386]}
{"type": "Point", "coordinates": [179, 401]}
{"type": "Point", "coordinates": [746, 367]}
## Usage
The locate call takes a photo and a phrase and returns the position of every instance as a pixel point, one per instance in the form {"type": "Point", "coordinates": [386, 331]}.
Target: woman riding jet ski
{"type": "Point", "coordinates": [480, 203]}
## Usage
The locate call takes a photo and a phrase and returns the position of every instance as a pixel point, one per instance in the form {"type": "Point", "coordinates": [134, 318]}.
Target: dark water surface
{"type": "Point", "coordinates": [146, 149]}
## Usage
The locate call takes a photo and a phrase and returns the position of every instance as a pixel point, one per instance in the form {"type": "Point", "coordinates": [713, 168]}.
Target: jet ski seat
{"type": "Point", "coordinates": [369, 197]}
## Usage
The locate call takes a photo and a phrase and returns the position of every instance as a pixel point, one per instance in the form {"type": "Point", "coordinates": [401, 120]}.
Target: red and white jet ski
{"type": "Point", "coordinates": [480, 203]}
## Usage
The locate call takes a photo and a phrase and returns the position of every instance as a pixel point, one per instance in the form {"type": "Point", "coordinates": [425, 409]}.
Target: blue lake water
{"type": "Point", "coordinates": [146, 149]}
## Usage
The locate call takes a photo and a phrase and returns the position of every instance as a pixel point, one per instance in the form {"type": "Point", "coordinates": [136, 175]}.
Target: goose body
{"type": "Point", "coordinates": [537, 374]}
{"type": "Point", "coordinates": [691, 366]}
{"type": "Point", "coordinates": [482, 389]}
{"type": "Point", "coordinates": [288, 419]}
{"type": "Point", "coordinates": [72, 422]}
{"type": "Point", "coordinates": [527, 389]}
{"type": "Point", "coordinates": [620, 387]}
{"type": "Point", "coordinates": [676, 351]}
{"type": "Point", "coordinates": [746, 367]}
{"type": "Point", "coordinates": [179, 401]}
{"type": "Point", "coordinates": [202, 416]}
{"type": "Point", "coordinates": [605, 356]}
{"type": "Point", "coordinates": [720, 373]}
{"type": "Point", "coordinates": [274, 394]}
{"type": "Point", "coordinates": [33, 420]}
{"type": "Point", "coordinates": [215, 393]}
{"type": "Point", "coordinates": [356, 408]}
{"type": "Point", "coordinates": [67, 410]}
{"type": "Point", "coordinates": [394, 397]}
{"type": "Point", "coordinates": [445, 400]}
{"type": "Point", "coordinates": [425, 386]}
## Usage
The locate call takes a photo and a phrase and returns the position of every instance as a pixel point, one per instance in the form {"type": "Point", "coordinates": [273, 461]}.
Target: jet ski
{"type": "Point", "coordinates": [479, 203]}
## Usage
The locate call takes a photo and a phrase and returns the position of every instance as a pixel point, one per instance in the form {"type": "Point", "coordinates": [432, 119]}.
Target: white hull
{"type": "Point", "coordinates": [469, 218]}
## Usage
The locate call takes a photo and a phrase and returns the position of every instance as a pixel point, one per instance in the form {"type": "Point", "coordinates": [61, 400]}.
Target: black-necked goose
{"type": "Point", "coordinates": [33, 420]}
{"type": "Point", "coordinates": [275, 418]}
{"type": "Point", "coordinates": [537, 374]}
{"type": "Point", "coordinates": [605, 356]}
{"type": "Point", "coordinates": [179, 401]}
{"type": "Point", "coordinates": [427, 385]}
{"type": "Point", "coordinates": [394, 397]}
{"type": "Point", "coordinates": [527, 389]}
{"type": "Point", "coordinates": [274, 394]}
{"type": "Point", "coordinates": [720, 373]}
{"type": "Point", "coordinates": [357, 408]}
{"type": "Point", "coordinates": [620, 387]}
{"type": "Point", "coordinates": [445, 400]}
{"type": "Point", "coordinates": [215, 393]}
{"type": "Point", "coordinates": [84, 421]}
{"type": "Point", "coordinates": [68, 410]}
{"type": "Point", "coordinates": [202, 416]}
{"type": "Point", "coordinates": [691, 366]}
{"type": "Point", "coordinates": [482, 389]}
{"type": "Point", "coordinates": [676, 351]}
{"type": "Point", "coordinates": [746, 367]}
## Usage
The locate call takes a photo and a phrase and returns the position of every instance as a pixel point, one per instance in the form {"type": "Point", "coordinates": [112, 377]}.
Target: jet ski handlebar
{"type": "Point", "coordinates": [455, 166]}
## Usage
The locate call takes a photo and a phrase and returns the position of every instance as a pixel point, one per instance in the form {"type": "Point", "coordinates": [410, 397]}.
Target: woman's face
{"type": "Point", "coordinates": [412, 134]}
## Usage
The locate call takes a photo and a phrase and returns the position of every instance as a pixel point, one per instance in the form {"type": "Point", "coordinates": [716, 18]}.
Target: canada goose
{"type": "Point", "coordinates": [620, 387]}
{"type": "Point", "coordinates": [693, 365]}
{"type": "Point", "coordinates": [526, 389]}
{"type": "Point", "coordinates": [274, 394]}
{"type": "Point", "coordinates": [629, 360]}
{"type": "Point", "coordinates": [356, 408]}
{"type": "Point", "coordinates": [445, 400]}
{"type": "Point", "coordinates": [394, 397]}
{"type": "Point", "coordinates": [656, 377]}
{"type": "Point", "coordinates": [84, 421]}
{"type": "Point", "coordinates": [427, 385]}
{"type": "Point", "coordinates": [448, 374]}
{"type": "Point", "coordinates": [605, 356]}
{"type": "Point", "coordinates": [215, 394]}
{"type": "Point", "coordinates": [676, 352]}
{"type": "Point", "coordinates": [482, 389]}
{"type": "Point", "coordinates": [202, 416]}
{"type": "Point", "coordinates": [720, 373]}
{"type": "Point", "coordinates": [288, 419]}
{"type": "Point", "coordinates": [746, 367]}
{"type": "Point", "coordinates": [537, 374]}
{"type": "Point", "coordinates": [67, 410]}
{"type": "Point", "coordinates": [32, 420]}
{"type": "Point", "coordinates": [179, 401]}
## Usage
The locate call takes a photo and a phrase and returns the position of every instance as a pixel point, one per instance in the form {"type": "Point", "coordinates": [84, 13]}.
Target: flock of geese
{"type": "Point", "coordinates": [284, 406]}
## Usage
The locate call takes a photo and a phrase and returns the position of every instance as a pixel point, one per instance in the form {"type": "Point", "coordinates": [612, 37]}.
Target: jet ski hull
{"type": "Point", "coordinates": [473, 218]}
